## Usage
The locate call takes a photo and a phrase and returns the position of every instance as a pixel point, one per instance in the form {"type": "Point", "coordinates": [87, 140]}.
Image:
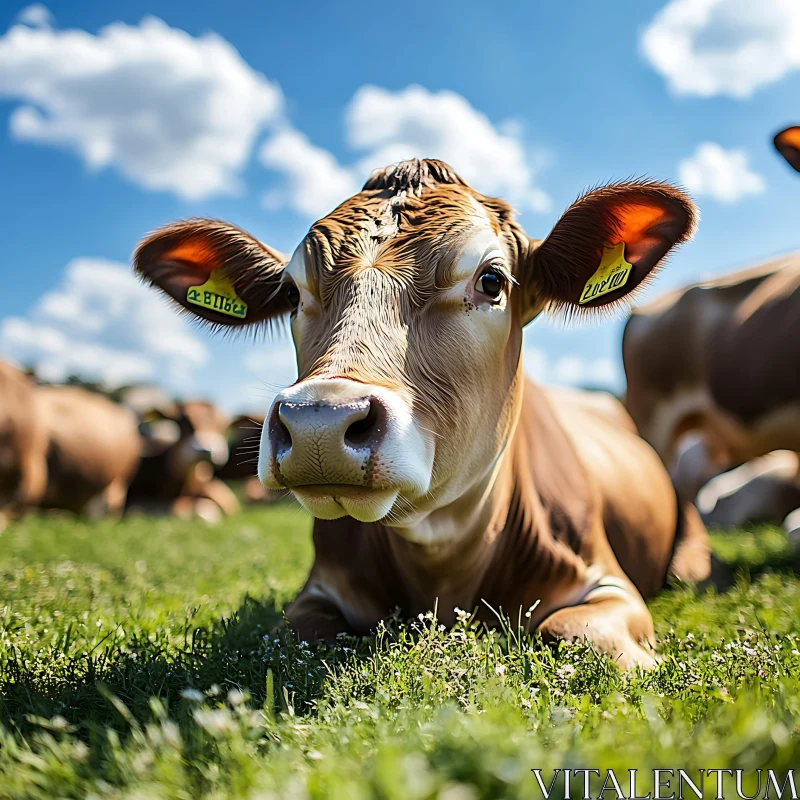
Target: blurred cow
{"type": "Point", "coordinates": [184, 442]}
{"type": "Point", "coordinates": [244, 435]}
{"type": "Point", "coordinates": [93, 450]}
{"type": "Point", "coordinates": [713, 383]}
{"type": "Point", "coordinates": [764, 490]}
{"type": "Point", "coordinates": [23, 444]}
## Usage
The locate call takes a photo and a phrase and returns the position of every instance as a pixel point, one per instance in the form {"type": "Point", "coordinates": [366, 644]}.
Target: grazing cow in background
{"type": "Point", "coordinates": [244, 435]}
{"type": "Point", "coordinates": [183, 444]}
{"type": "Point", "coordinates": [435, 469]}
{"type": "Point", "coordinates": [711, 384]}
{"type": "Point", "coordinates": [23, 444]}
{"type": "Point", "coordinates": [93, 450]}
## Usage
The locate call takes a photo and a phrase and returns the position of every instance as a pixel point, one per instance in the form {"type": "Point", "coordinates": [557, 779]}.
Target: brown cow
{"type": "Point", "coordinates": [183, 444]}
{"type": "Point", "coordinates": [23, 444]}
{"type": "Point", "coordinates": [244, 435]}
{"type": "Point", "coordinates": [435, 469]}
{"type": "Point", "coordinates": [93, 450]}
{"type": "Point", "coordinates": [708, 382]}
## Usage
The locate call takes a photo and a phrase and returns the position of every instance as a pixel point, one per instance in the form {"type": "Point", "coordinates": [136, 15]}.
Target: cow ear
{"type": "Point", "coordinates": [787, 143]}
{"type": "Point", "coordinates": [606, 244]}
{"type": "Point", "coordinates": [214, 270]}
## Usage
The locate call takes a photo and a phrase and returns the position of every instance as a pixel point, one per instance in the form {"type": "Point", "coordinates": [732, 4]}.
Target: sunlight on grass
{"type": "Point", "coordinates": [149, 658]}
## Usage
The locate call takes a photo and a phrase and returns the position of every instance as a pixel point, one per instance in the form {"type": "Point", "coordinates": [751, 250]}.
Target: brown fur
{"type": "Point", "coordinates": [94, 449]}
{"type": "Point", "coordinates": [568, 512]}
{"type": "Point", "coordinates": [23, 444]}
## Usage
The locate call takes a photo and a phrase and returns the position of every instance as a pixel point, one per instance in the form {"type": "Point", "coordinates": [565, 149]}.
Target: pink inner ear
{"type": "Point", "coordinates": [192, 262]}
{"type": "Point", "coordinates": [638, 228]}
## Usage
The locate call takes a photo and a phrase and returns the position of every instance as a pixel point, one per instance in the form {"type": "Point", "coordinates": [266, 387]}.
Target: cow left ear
{"type": "Point", "coordinates": [215, 271]}
{"type": "Point", "coordinates": [787, 143]}
{"type": "Point", "coordinates": [606, 244]}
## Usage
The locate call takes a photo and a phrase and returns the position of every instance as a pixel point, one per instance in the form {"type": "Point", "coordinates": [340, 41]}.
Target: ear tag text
{"type": "Point", "coordinates": [612, 274]}
{"type": "Point", "coordinates": [217, 294]}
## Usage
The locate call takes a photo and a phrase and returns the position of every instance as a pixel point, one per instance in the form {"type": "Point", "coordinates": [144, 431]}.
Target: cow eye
{"type": "Point", "coordinates": [292, 295]}
{"type": "Point", "coordinates": [491, 283]}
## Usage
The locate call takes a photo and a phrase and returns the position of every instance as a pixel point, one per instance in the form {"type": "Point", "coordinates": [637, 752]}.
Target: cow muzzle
{"type": "Point", "coordinates": [344, 448]}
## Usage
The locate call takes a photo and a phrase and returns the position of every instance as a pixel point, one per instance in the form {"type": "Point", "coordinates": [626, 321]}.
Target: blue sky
{"type": "Point", "coordinates": [264, 114]}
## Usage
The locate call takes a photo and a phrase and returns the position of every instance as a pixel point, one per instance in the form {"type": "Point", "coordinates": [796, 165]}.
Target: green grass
{"type": "Point", "coordinates": [149, 659]}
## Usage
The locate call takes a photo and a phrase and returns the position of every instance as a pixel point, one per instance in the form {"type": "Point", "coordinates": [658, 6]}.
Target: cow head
{"type": "Point", "coordinates": [192, 432]}
{"type": "Point", "coordinates": [407, 305]}
{"type": "Point", "coordinates": [787, 143]}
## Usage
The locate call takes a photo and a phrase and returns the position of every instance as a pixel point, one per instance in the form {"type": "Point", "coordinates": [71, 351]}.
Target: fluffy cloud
{"type": "Point", "coordinates": [384, 127]}
{"type": "Point", "coordinates": [414, 122]}
{"type": "Point", "coordinates": [719, 173]}
{"type": "Point", "coordinates": [35, 15]}
{"type": "Point", "coordinates": [315, 183]}
{"type": "Point", "coordinates": [102, 324]}
{"type": "Point", "coordinates": [170, 111]}
{"type": "Point", "coordinates": [723, 47]}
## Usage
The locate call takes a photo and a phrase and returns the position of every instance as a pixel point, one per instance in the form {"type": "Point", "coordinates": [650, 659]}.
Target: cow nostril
{"type": "Point", "coordinates": [367, 429]}
{"type": "Point", "coordinates": [278, 431]}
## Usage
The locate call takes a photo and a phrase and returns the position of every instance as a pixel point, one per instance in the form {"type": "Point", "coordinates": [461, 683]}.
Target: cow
{"type": "Point", "coordinates": [708, 385]}
{"type": "Point", "coordinates": [436, 471]}
{"type": "Point", "coordinates": [23, 445]}
{"type": "Point", "coordinates": [93, 449]}
{"type": "Point", "coordinates": [244, 435]}
{"type": "Point", "coordinates": [184, 442]}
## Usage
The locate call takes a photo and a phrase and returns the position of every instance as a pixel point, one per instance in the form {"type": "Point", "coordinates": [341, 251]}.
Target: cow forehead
{"type": "Point", "coordinates": [438, 236]}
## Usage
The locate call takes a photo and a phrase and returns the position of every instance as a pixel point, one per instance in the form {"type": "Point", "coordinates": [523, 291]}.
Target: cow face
{"type": "Point", "coordinates": [192, 432]}
{"type": "Point", "coordinates": [406, 306]}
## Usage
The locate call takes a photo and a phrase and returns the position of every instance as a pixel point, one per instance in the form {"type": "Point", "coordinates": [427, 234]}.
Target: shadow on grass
{"type": "Point", "coordinates": [236, 652]}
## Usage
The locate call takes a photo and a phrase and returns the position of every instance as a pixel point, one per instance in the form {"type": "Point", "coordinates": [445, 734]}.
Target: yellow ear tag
{"type": "Point", "coordinates": [612, 274]}
{"type": "Point", "coordinates": [218, 294]}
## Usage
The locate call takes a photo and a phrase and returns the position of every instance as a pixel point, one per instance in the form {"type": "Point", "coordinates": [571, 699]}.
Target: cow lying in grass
{"type": "Point", "coordinates": [435, 469]}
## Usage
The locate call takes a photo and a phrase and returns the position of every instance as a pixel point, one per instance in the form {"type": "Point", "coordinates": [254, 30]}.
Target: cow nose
{"type": "Point", "coordinates": [326, 442]}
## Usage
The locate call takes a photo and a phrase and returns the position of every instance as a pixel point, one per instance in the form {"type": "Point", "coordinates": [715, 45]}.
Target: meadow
{"type": "Point", "coordinates": [149, 659]}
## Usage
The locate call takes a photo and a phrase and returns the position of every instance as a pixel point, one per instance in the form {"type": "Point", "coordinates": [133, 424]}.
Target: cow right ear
{"type": "Point", "coordinates": [215, 271]}
{"type": "Point", "coordinates": [787, 143]}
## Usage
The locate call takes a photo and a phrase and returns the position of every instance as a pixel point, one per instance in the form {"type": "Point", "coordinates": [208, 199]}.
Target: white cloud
{"type": "Point", "coordinates": [719, 173]}
{"type": "Point", "coordinates": [36, 15]}
{"type": "Point", "coordinates": [170, 111]}
{"type": "Point", "coordinates": [416, 123]}
{"type": "Point", "coordinates": [724, 47]}
{"type": "Point", "coordinates": [386, 127]}
{"type": "Point", "coordinates": [315, 183]}
{"type": "Point", "coordinates": [102, 324]}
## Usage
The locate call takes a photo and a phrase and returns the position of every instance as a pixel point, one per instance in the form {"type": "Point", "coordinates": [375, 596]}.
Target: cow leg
{"type": "Point", "coordinates": [109, 503]}
{"type": "Point", "coordinates": [613, 620]}
{"type": "Point", "coordinates": [691, 561]}
{"type": "Point", "coordinates": [221, 494]}
{"type": "Point", "coordinates": [314, 617]}
{"type": "Point", "coordinates": [33, 477]}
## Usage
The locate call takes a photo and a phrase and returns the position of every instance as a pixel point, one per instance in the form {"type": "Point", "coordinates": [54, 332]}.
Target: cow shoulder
{"type": "Point", "coordinates": [753, 352]}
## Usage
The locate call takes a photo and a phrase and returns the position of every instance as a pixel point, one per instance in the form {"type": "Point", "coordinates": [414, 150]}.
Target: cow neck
{"type": "Point", "coordinates": [512, 532]}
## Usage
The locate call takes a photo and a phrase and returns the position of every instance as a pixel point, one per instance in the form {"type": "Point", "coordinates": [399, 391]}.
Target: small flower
{"type": "Point", "coordinates": [192, 695]}
{"type": "Point", "coordinates": [500, 670]}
